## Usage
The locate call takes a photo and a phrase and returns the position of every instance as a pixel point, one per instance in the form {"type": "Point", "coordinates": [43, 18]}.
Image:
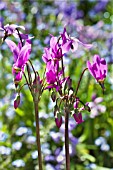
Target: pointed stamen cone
{"type": "Point", "coordinates": [102, 84]}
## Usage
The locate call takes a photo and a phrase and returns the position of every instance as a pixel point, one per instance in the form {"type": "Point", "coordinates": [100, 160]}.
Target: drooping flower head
{"type": "Point", "coordinates": [98, 69]}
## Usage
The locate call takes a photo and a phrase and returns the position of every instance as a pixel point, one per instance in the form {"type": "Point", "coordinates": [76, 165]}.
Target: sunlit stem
{"type": "Point", "coordinates": [67, 139]}
{"type": "Point", "coordinates": [27, 81]}
{"type": "Point", "coordinates": [19, 37]}
{"type": "Point", "coordinates": [29, 74]}
{"type": "Point", "coordinates": [32, 67]}
{"type": "Point", "coordinates": [22, 87]}
{"type": "Point", "coordinates": [38, 135]}
{"type": "Point", "coordinates": [80, 80]}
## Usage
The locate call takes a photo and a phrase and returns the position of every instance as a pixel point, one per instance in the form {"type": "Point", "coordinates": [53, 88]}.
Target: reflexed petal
{"type": "Point", "coordinates": [88, 46]}
{"type": "Point", "coordinates": [51, 77]}
{"type": "Point", "coordinates": [53, 42]}
{"type": "Point", "coordinates": [64, 36]}
{"type": "Point", "coordinates": [10, 44]}
{"type": "Point", "coordinates": [13, 47]}
{"type": "Point", "coordinates": [24, 55]}
{"type": "Point", "coordinates": [98, 69]}
{"type": "Point", "coordinates": [46, 56]}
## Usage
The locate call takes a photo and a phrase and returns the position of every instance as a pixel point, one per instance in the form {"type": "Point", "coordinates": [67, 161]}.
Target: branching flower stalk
{"type": "Point", "coordinates": [67, 102]}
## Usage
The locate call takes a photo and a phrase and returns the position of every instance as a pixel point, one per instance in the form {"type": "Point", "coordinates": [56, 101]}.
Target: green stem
{"type": "Point", "coordinates": [32, 66]}
{"type": "Point", "coordinates": [20, 37]}
{"type": "Point", "coordinates": [29, 74]}
{"type": "Point", "coordinates": [67, 140]}
{"type": "Point", "coordinates": [38, 136]}
{"type": "Point", "coordinates": [27, 81]}
{"type": "Point", "coordinates": [80, 81]}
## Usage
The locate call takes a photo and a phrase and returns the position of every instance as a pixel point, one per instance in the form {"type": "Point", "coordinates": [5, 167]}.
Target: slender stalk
{"type": "Point", "coordinates": [38, 136]}
{"type": "Point", "coordinates": [32, 66]}
{"type": "Point", "coordinates": [22, 87]}
{"type": "Point", "coordinates": [20, 37]}
{"type": "Point", "coordinates": [29, 74]}
{"type": "Point", "coordinates": [27, 81]}
{"type": "Point", "coordinates": [67, 140]}
{"type": "Point", "coordinates": [80, 81]}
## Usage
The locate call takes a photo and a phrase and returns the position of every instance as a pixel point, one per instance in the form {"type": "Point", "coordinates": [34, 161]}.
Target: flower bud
{"type": "Point", "coordinates": [58, 121]}
{"type": "Point", "coordinates": [37, 84]}
{"type": "Point", "coordinates": [17, 101]}
{"type": "Point", "coordinates": [78, 118]}
{"type": "Point", "coordinates": [76, 103]}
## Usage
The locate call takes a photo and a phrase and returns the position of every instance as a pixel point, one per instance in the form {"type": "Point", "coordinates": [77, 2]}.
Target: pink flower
{"type": "Point", "coordinates": [21, 56]}
{"type": "Point", "coordinates": [98, 69]}
{"type": "Point", "coordinates": [12, 30]}
{"type": "Point", "coordinates": [71, 43]}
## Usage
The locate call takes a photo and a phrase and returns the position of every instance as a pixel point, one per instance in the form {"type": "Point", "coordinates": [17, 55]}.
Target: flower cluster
{"type": "Point", "coordinates": [21, 54]}
{"type": "Point", "coordinates": [54, 54]}
{"type": "Point", "coordinates": [55, 74]}
{"type": "Point", "coordinates": [56, 81]}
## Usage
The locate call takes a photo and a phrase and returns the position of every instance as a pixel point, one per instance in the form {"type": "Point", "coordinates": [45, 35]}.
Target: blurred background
{"type": "Point", "coordinates": [91, 143]}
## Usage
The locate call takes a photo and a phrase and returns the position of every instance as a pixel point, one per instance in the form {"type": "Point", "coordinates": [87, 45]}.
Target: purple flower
{"type": "Point", "coordinates": [96, 106]}
{"type": "Point", "coordinates": [78, 118]}
{"type": "Point", "coordinates": [51, 77]}
{"type": "Point", "coordinates": [98, 69]}
{"type": "Point", "coordinates": [12, 30]}
{"type": "Point", "coordinates": [56, 50]}
{"type": "Point", "coordinates": [100, 6]}
{"type": "Point", "coordinates": [21, 56]}
{"type": "Point", "coordinates": [54, 76]}
{"type": "Point", "coordinates": [71, 42]}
